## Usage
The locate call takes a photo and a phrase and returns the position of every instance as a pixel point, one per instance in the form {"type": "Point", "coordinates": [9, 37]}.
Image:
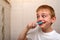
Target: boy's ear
{"type": "Point", "coordinates": [53, 19]}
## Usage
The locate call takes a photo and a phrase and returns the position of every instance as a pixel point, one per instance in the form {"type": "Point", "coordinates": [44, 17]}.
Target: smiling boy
{"type": "Point", "coordinates": [46, 15]}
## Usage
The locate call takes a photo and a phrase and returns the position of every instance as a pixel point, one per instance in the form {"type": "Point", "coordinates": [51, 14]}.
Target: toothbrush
{"type": "Point", "coordinates": [40, 23]}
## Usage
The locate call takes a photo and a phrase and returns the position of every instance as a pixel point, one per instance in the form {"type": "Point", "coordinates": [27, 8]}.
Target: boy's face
{"type": "Point", "coordinates": [44, 16]}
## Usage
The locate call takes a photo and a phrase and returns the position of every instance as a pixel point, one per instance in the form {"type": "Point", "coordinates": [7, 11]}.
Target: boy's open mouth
{"type": "Point", "coordinates": [41, 22]}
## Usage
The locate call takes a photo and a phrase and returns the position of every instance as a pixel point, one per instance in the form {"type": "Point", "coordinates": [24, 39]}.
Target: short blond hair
{"type": "Point", "coordinates": [47, 7]}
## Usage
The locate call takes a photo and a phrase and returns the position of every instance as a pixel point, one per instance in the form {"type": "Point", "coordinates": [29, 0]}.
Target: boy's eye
{"type": "Point", "coordinates": [43, 16]}
{"type": "Point", "coordinates": [38, 16]}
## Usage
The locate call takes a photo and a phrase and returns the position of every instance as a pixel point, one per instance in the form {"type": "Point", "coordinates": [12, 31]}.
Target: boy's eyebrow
{"type": "Point", "coordinates": [42, 13]}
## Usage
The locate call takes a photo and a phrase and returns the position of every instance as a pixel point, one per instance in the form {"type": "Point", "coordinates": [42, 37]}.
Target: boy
{"type": "Point", "coordinates": [45, 15]}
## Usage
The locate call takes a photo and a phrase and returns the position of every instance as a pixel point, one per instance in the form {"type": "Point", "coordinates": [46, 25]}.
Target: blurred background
{"type": "Point", "coordinates": [16, 14]}
{"type": "Point", "coordinates": [5, 11]}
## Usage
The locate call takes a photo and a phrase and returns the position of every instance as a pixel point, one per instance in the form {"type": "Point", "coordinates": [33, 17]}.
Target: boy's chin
{"type": "Point", "coordinates": [41, 26]}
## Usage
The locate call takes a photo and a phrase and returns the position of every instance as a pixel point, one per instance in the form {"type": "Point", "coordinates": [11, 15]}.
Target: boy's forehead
{"type": "Point", "coordinates": [43, 11]}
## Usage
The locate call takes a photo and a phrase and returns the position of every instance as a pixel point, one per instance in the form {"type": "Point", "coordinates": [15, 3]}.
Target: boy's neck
{"type": "Point", "coordinates": [47, 30]}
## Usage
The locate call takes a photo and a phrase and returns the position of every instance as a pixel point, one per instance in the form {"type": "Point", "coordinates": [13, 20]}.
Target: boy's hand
{"type": "Point", "coordinates": [31, 25]}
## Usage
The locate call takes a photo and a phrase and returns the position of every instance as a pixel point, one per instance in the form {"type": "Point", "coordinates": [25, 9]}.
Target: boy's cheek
{"type": "Point", "coordinates": [47, 23]}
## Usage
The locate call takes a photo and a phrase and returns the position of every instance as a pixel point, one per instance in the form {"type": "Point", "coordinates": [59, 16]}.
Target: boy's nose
{"type": "Point", "coordinates": [39, 19]}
